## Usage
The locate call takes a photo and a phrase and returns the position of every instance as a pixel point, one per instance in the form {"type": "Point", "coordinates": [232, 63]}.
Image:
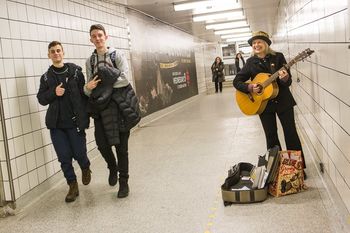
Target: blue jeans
{"type": "Point", "coordinates": [69, 144]}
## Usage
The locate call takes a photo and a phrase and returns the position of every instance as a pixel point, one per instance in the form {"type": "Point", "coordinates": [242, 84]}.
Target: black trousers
{"type": "Point", "coordinates": [218, 85]}
{"type": "Point", "coordinates": [107, 153]}
{"type": "Point", "coordinates": [269, 123]}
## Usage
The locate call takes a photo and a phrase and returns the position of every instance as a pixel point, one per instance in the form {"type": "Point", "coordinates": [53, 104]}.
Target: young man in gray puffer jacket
{"type": "Point", "coordinates": [105, 56]}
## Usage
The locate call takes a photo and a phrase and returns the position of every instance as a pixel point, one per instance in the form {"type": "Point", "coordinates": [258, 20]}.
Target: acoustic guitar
{"type": "Point", "coordinates": [255, 103]}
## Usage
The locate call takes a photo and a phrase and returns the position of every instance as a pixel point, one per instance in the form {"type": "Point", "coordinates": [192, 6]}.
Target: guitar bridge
{"type": "Point", "coordinates": [251, 97]}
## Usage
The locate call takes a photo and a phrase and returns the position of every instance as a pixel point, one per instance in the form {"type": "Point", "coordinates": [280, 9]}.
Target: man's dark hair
{"type": "Point", "coordinates": [98, 27]}
{"type": "Point", "coordinates": [54, 43]}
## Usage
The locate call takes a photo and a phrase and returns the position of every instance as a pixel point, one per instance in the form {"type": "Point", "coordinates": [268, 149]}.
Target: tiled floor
{"type": "Point", "coordinates": [177, 165]}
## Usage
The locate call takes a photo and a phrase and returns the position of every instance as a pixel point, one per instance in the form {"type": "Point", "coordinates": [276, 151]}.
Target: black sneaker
{"type": "Point", "coordinates": [113, 177]}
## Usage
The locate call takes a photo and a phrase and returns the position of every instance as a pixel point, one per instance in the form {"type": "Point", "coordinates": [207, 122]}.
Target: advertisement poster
{"type": "Point", "coordinates": [162, 80]}
{"type": "Point", "coordinates": [163, 64]}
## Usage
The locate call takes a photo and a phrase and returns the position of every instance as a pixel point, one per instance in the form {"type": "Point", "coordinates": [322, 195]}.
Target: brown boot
{"type": "Point", "coordinates": [86, 176]}
{"type": "Point", "coordinates": [123, 188]}
{"type": "Point", "coordinates": [73, 191]}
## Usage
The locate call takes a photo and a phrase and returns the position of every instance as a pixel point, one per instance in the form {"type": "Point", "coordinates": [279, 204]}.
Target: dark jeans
{"type": "Point", "coordinates": [107, 153]}
{"type": "Point", "coordinates": [218, 85]}
{"type": "Point", "coordinates": [268, 120]}
{"type": "Point", "coordinates": [69, 144]}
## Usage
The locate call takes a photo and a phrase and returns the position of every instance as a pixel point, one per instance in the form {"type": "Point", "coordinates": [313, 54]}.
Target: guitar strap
{"type": "Point", "coordinates": [272, 64]}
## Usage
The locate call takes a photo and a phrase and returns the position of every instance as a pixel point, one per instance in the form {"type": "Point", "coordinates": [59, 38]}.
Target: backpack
{"type": "Point", "coordinates": [94, 57]}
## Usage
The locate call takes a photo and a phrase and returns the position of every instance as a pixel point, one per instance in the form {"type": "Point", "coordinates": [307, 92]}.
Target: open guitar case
{"type": "Point", "coordinates": [238, 189]}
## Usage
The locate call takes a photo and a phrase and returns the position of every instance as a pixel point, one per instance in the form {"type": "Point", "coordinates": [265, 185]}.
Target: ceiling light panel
{"type": "Point", "coordinates": [238, 39]}
{"type": "Point", "coordinates": [200, 7]}
{"type": "Point", "coordinates": [236, 35]}
{"type": "Point", "coordinates": [227, 15]}
{"type": "Point", "coordinates": [234, 24]}
{"type": "Point", "coordinates": [235, 30]}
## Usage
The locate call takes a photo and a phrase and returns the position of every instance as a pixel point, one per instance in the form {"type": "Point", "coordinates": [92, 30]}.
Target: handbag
{"type": "Point", "coordinates": [290, 175]}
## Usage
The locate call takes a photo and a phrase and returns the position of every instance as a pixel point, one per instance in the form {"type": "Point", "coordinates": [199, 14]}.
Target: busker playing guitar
{"type": "Point", "coordinates": [265, 60]}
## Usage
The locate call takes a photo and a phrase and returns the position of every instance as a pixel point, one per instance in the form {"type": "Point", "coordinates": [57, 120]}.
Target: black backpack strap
{"type": "Point", "coordinates": [92, 61]}
{"type": "Point", "coordinates": [112, 56]}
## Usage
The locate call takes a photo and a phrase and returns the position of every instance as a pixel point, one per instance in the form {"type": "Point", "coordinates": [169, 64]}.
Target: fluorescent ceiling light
{"type": "Point", "coordinates": [200, 7]}
{"type": "Point", "coordinates": [233, 24]}
{"type": "Point", "coordinates": [234, 30]}
{"type": "Point", "coordinates": [236, 35]}
{"type": "Point", "coordinates": [218, 5]}
{"type": "Point", "coordinates": [238, 39]}
{"type": "Point", "coordinates": [228, 15]}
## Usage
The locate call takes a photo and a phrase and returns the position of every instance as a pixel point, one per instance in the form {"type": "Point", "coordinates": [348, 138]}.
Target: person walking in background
{"type": "Point", "coordinates": [112, 126]}
{"type": "Point", "coordinates": [239, 62]}
{"type": "Point", "coordinates": [265, 60]}
{"type": "Point", "coordinates": [217, 69]}
{"type": "Point", "coordinates": [61, 87]}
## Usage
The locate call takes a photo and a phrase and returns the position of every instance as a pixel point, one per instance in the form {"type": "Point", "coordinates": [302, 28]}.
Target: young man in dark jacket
{"type": "Point", "coordinates": [112, 125]}
{"type": "Point", "coordinates": [61, 87]}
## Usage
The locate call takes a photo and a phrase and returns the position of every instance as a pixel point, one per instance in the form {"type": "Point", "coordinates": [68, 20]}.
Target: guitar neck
{"type": "Point", "coordinates": [275, 75]}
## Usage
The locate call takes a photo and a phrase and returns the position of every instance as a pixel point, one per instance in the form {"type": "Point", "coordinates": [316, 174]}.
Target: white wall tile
{"type": "Point", "coordinates": [23, 182]}
{"type": "Point", "coordinates": [50, 170]}
{"type": "Point", "coordinates": [3, 9]}
{"type": "Point", "coordinates": [35, 120]}
{"type": "Point", "coordinates": [26, 125]}
{"type": "Point", "coordinates": [9, 68]}
{"type": "Point", "coordinates": [21, 12]}
{"type": "Point", "coordinates": [2, 151]}
{"type": "Point", "coordinates": [39, 157]}
{"type": "Point", "coordinates": [31, 86]}
{"type": "Point", "coordinates": [33, 178]}
{"type": "Point", "coordinates": [15, 30]}
{"type": "Point", "coordinates": [4, 171]}
{"type": "Point", "coordinates": [18, 143]}
{"type": "Point", "coordinates": [21, 85]}
{"type": "Point", "coordinates": [2, 69]}
{"type": "Point", "coordinates": [33, 30]}
{"type": "Point", "coordinates": [6, 46]}
{"type": "Point", "coordinates": [14, 107]}
{"type": "Point", "coordinates": [21, 163]}
{"type": "Point", "coordinates": [5, 28]}
{"type": "Point", "coordinates": [38, 141]}
{"type": "Point", "coordinates": [28, 142]}
{"type": "Point", "coordinates": [23, 105]}
{"type": "Point", "coordinates": [12, 10]}
{"type": "Point", "coordinates": [31, 163]}
{"type": "Point", "coordinates": [16, 126]}
{"type": "Point", "coordinates": [7, 191]}
{"type": "Point", "coordinates": [42, 174]}
{"type": "Point", "coordinates": [33, 103]}
{"type": "Point", "coordinates": [47, 154]}
{"type": "Point", "coordinates": [46, 136]}
{"type": "Point", "coordinates": [31, 14]}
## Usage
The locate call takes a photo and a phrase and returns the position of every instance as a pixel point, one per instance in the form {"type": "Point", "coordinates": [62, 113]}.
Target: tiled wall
{"type": "Point", "coordinates": [323, 91]}
{"type": "Point", "coordinates": [205, 55]}
{"type": "Point", "coordinates": [27, 26]}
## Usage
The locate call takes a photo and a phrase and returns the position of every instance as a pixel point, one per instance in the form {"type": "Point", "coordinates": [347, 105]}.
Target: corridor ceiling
{"type": "Point", "coordinates": [261, 15]}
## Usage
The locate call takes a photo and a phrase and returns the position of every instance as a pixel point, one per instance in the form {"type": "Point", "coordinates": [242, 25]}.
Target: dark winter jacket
{"type": "Point", "coordinates": [74, 88]}
{"type": "Point", "coordinates": [218, 72]}
{"type": "Point", "coordinates": [255, 65]}
{"type": "Point", "coordinates": [100, 96]}
{"type": "Point", "coordinates": [120, 115]}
